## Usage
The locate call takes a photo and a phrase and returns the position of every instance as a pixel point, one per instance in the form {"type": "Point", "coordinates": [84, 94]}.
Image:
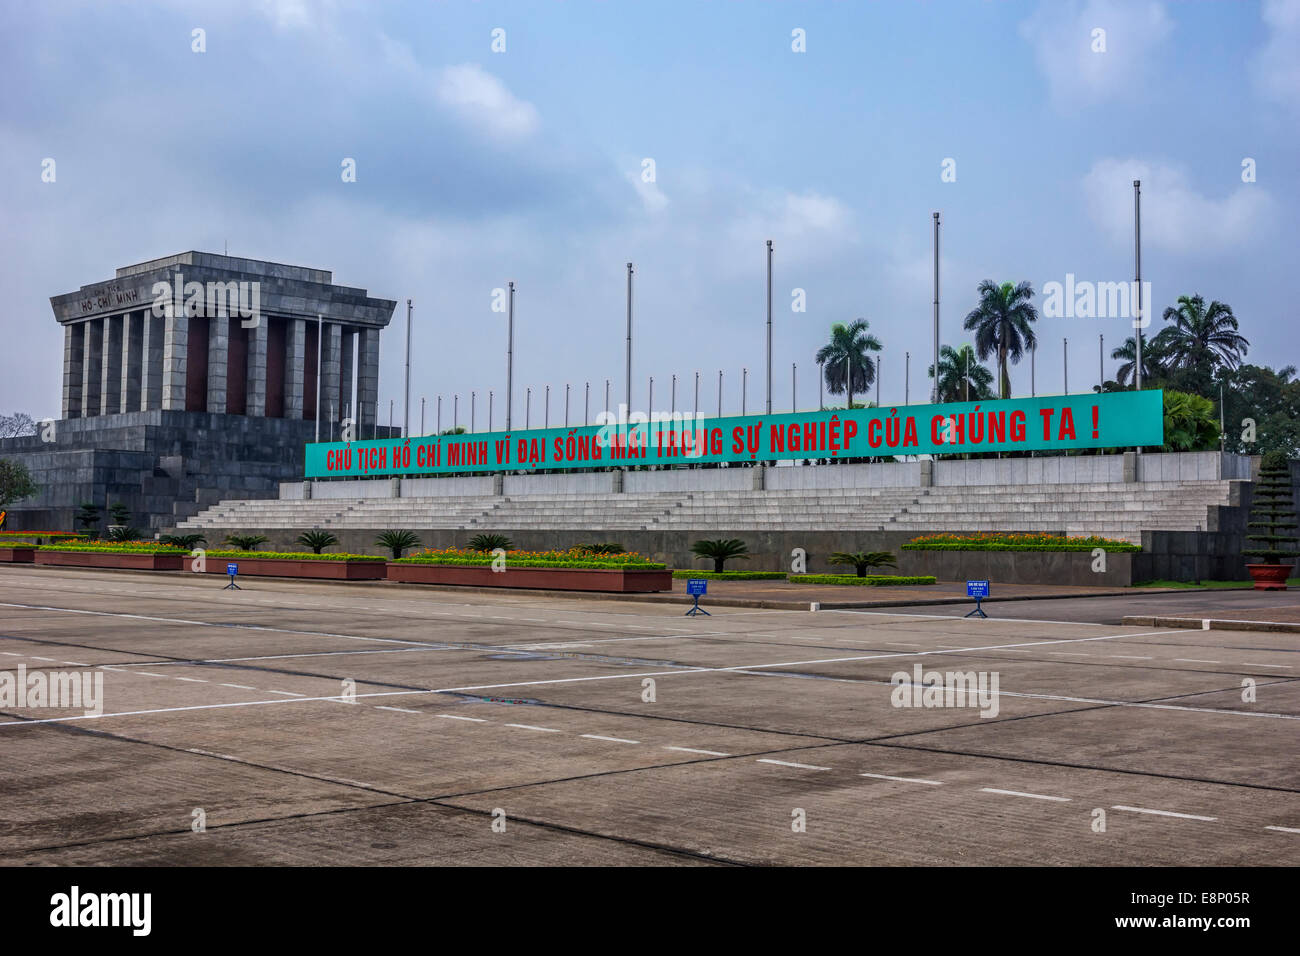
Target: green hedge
{"type": "Point", "coordinates": [871, 580]}
{"type": "Point", "coordinates": [981, 546]}
{"type": "Point", "coordinates": [732, 575]}
{"type": "Point", "coordinates": [596, 565]}
{"type": "Point", "coordinates": [114, 548]}
{"type": "Point", "coordinates": [18, 544]}
{"type": "Point", "coordinates": [294, 556]}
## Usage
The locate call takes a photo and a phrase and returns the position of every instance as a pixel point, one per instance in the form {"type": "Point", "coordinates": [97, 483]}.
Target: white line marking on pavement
{"type": "Point", "coordinates": [150, 674]}
{"type": "Point", "coordinates": [400, 710]}
{"type": "Point", "coordinates": [239, 686]}
{"type": "Point", "coordinates": [885, 776]}
{"type": "Point", "coordinates": [1021, 793]}
{"type": "Point", "coordinates": [787, 763]}
{"type": "Point", "coordinates": [76, 664]}
{"type": "Point", "coordinates": [50, 659]}
{"type": "Point", "coordinates": [545, 730]}
{"type": "Point", "coordinates": [200, 680]}
{"type": "Point", "coordinates": [1133, 657]}
{"type": "Point", "coordinates": [286, 693]}
{"type": "Point", "coordinates": [1284, 829]}
{"type": "Point", "coordinates": [1166, 813]}
{"type": "Point", "coordinates": [1195, 660]}
{"type": "Point", "coordinates": [613, 740]}
{"type": "Point", "coordinates": [692, 750]}
{"type": "Point", "coordinates": [477, 720]}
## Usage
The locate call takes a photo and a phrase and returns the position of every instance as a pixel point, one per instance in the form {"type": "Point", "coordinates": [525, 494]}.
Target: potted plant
{"type": "Point", "coordinates": [1273, 514]}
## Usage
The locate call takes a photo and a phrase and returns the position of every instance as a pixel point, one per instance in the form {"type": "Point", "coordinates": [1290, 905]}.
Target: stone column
{"type": "Point", "coordinates": [347, 366]}
{"type": "Point", "coordinates": [110, 389]}
{"type": "Point", "coordinates": [92, 368]}
{"type": "Point", "coordinates": [132, 360]}
{"type": "Point", "coordinates": [176, 338]}
{"type": "Point", "coordinates": [152, 329]}
{"type": "Point", "coordinates": [257, 367]}
{"type": "Point", "coordinates": [74, 344]}
{"type": "Point", "coordinates": [327, 390]}
{"type": "Point", "coordinates": [367, 381]}
{"type": "Point", "coordinates": [295, 353]}
{"type": "Point", "coordinates": [218, 359]}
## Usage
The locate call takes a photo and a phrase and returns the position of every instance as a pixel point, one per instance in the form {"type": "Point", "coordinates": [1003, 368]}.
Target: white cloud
{"type": "Point", "coordinates": [1061, 34]}
{"type": "Point", "coordinates": [789, 215]}
{"type": "Point", "coordinates": [484, 101]}
{"type": "Point", "coordinates": [1275, 68]}
{"type": "Point", "coordinates": [1175, 216]}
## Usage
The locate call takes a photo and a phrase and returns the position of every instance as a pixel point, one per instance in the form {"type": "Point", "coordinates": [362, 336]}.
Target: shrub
{"type": "Point", "coordinates": [875, 580]}
{"type": "Point", "coordinates": [861, 560]}
{"type": "Point", "coordinates": [120, 513]}
{"type": "Point", "coordinates": [123, 533]}
{"type": "Point", "coordinates": [295, 556]}
{"type": "Point", "coordinates": [397, 541]}
{"type": "Point", "coordinates": [732, 575]}
{"type": "Point", "coordinates": [246, 542]}
{"type": "Point", "coordinates": [721, 550]}
{"type": "Point", "coordinates": [15, 482]}
{"type": "Point", "coordinates": [1005, 541]}
{"type": "Point", "coordinates": [490, 542]}
{"type": "Point", "coordinates": [316, 539]}
{"type": "Point", "coordinates": [187, 541]}
{"type": "Point", "coordinates": [1273, 509]}
{"type": "Point", "coordinates": [609, 547]}
{"type": "Point", "coordinates": [573, 558]}
{"type": "Point", "coordinates": [87, 517]}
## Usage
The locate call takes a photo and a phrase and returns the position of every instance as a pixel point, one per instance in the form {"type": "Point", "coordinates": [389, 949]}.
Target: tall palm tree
{"type": "Point", "coordinates": [1203, 338]}
{"type": "Point", "coordinates": [1153, 362]}
{"type": "Point", "coordinates": [845, 362]}
{"type": "Point", "coordinates": [1003, 323]}
{"type": "Point", "coordinates": [961, 377]}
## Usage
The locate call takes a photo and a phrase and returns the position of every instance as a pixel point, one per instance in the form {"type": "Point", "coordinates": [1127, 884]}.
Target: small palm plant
{"type": "Point", "coordinates": [608, 547]}
{"type": "Point", "coordinates": [122, 532]}
{"type": "Point", "coordinates": [721, 550]}
{"type": "Point", "coordinates": [490, 542]}
{"type": "Point", "coordinates": [187, 541]}
{"type": "Point", "coordinates": [397, 541]}
{"type": "Point", "coordinates": [861, 560]}
{"type": "Point", "coordinates": [317, 539]}
{"type": "Point", "coordinates": [246, 542]}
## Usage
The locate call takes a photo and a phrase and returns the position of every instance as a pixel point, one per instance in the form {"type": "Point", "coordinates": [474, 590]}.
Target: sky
{"type": "Point", "coordinates": [551, 142]}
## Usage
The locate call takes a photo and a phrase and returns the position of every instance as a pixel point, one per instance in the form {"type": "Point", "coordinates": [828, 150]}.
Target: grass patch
{"type": "Point", "coordinates": [126, 547]}
{"type": "Point", "coordinates": [54, 535]}
{"type": "Point", "coordinates": [871, 580]}
{"type": "Point", "coordinates": [732, 575]}
{"type": "Point", "coordinates": [1004, 541]}
{"type": "Point", "coordinates": [574, 558]}
{"type": "Point", "coordinates": [295, 556]}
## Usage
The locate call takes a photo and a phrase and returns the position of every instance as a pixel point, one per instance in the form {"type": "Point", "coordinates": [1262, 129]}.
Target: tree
{"type": "Point", "coordinates": [1190, 422]}
{"type": "Point", "coordinates": [861, 560]}
{"type": "Point", "coordinates": [1203, 339]}
{"type": "Point", "coordinates": [397, 541]}
{"type": "Point", "coordinates": [961, 377]}
{"type": "Point", "coordinates": [490, 542]}
{"type": "Point", "coordinates": [846, 366]}
{"type": "Point", "coordinates": [1272, 506]}
{"type": "Point", "coordinates": [1003, 324]}
{"type": "Point", "coordinates": [119, 513]}
{"type": "Point", "coordinates": [16, 482]}
{"type": "Point", "coordinates": [721, 550]}
{"type": "Point", "coordinates": [187, 541]}
{"type": "Point", "coordinates": [88, 516]}
{"type": "Point", "coordinates": [1152, 360]}
{"type": "Point", "coordinates": [1261, 410]}
{"type": "Point", "coordinates": [246, 542]}
{"type": "Point", "coordinates": [317, 539]}
{"type": "Point", "coordinates": [17, 425]}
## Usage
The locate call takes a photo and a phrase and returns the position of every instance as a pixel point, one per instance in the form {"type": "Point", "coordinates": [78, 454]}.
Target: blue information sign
{"type": "Point", "coordinates": [977, 589]}
{"type": "Point", "coordinates": [232, 569]}
{"type": "Point", "coordinates": [697, 585]}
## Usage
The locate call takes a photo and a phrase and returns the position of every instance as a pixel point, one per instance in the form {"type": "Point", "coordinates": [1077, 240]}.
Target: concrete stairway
{"type": "Point", "coordinates": [1112, 510]}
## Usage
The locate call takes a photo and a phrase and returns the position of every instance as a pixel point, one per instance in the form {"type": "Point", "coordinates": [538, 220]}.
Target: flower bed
{"type": "Point", "coordinates": [131, 555]}
{"type": "Point", "coordinates": [574, 558]}
{"type": "Point", "coordinates": [282, 564]}
{"type": "Point", "coordinates": [1002, 541]}
{"type": "Point", "coordinates": [571, 570]}
{"type": "Point", "coordinates": [17, 552]}
{"type": "Point", "coordinates": [871, 580]}
{"type": "Point", "coordinates": [40, 537]}
{"type": "Point", "coordinates": [732, 575]}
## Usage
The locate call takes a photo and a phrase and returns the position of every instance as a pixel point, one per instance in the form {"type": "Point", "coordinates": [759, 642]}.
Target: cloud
{"type": "Point", "coordinates": [1063, 41]}
{"type": "Point", "coordinates": [1275, 68]}
{"type": "Point", "coordinates": [1174, 215]}
{"type": "Point", "coordinates": [485, 102]}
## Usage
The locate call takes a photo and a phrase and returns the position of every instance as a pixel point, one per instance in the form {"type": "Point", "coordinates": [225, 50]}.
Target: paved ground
{"type": "Point", "coordinates": [1246, 604]}
{"type": "Point", "coordinates": [470, 709]}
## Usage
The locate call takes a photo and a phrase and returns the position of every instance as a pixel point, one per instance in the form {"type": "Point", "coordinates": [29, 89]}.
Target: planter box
{"type": "Point", "coordinates": [1269, 577]}
{"type": "Point", "coordinates": [292, 568]}
{"type": "Point", "coordinates": [17, 555]}
{"type": "Point", "coordinates": [632, 580]}
{"type": "Point", "coordinates": [105, 559]}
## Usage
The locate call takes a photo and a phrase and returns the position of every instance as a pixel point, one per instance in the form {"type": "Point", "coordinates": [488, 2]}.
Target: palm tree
{"type": "Point", "coordinates": [1003, 323]}
{"type": "Point", "coordinates": [961, 377]}
{"type": "Point", "coordinates": [1203, 338]}
{"type": "Point", "coordinates": [246, 542]}
{"type": "Point", "coordinates": [397, 541]}
{"type": "Point", "coordinates": [720, 551]}
{"type": "Point", "coordinates": [490, 542]}
{"type": "Point", "coordinates": [1126, 355]}
{"type": "Point", "coordinates": [845, 362]}
{"type": "Point", "coordinates": [861, 560]}
{"type": "Point", "coordinates": [318, 539]}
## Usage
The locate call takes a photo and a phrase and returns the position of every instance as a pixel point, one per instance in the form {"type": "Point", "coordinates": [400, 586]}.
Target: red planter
{"type": "Point", "coordinates": [1269, 577]}
{"type": "Point", "coordinates": [107, 559]}
{"type": "Point", "coordinates": [632, 580]}
{"type": "Point", "coordinates": [293, 568]}
{"type": "Point", "coordinates": [17, 555]}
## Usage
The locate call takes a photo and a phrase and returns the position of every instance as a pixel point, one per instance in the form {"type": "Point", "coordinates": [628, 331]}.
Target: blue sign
{"type": "Point", "coordinates": [232, 569]}
{"type": "Point", "coordinates": [977, 589]}
{"type": "Point", "coordinates": [697, 586]}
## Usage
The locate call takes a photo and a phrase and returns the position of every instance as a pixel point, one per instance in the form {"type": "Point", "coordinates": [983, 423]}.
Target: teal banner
{"type": "Point", "coordinates": [1049, 423]}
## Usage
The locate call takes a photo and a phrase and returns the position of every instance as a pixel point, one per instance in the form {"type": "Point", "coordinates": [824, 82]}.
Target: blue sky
{"type": "Point", "coordinates": [475, 167]}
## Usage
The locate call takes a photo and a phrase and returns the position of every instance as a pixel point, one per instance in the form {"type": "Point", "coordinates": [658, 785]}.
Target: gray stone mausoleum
{"type": "Point", "coordinates": [198, 376]}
